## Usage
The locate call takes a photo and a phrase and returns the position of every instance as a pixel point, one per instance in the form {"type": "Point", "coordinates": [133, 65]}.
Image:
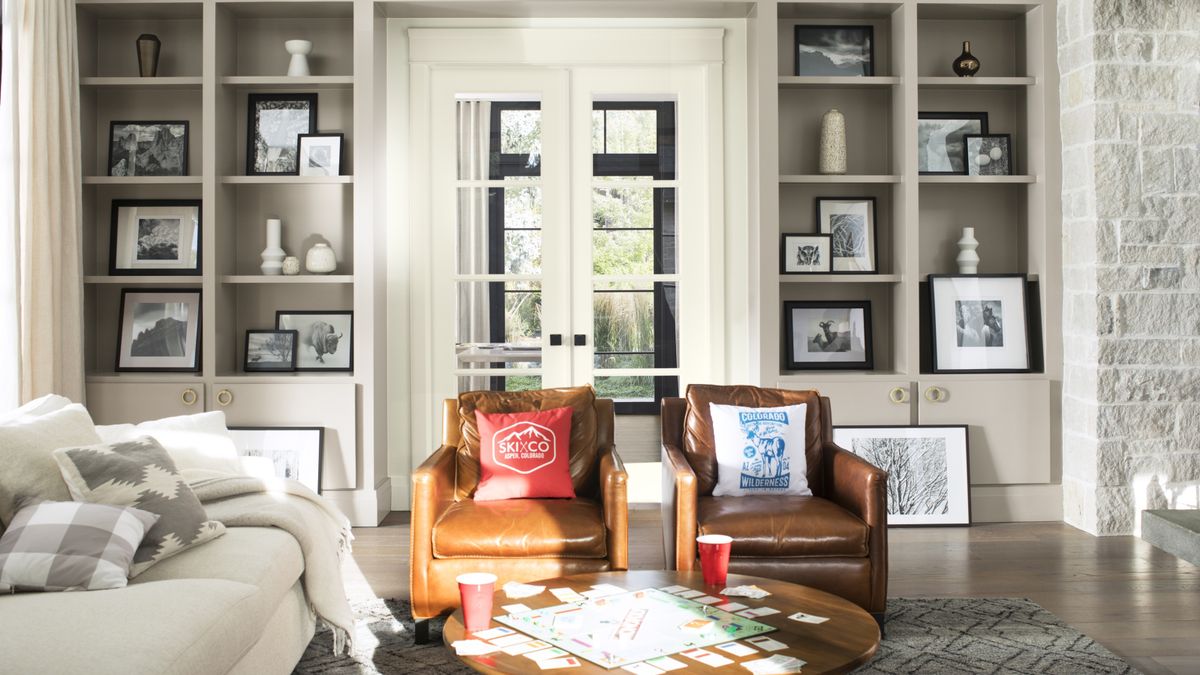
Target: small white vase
{"type": "Point", "coordinates": [320, 259]}
{"type": "Point", "coordinates": [272, 255]}
{"type": "Point", "coordinates": [291, 266]}
{"type": "Point", "coordinates": [833, 143]}
{"type": "Point", "coordinates": [299, 49]}
{"type": "Point", "coordinates": [968, 259]}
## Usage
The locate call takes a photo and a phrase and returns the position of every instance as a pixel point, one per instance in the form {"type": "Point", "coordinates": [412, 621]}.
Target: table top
{"type": "Point", "coordinates": [848, 640]}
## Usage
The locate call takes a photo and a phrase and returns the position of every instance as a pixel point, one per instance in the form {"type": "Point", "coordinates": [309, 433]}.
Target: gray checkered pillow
{"type": "Point", "coordinates": [70, 546]}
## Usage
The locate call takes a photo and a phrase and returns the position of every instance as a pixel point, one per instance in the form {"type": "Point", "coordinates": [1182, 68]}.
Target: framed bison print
{"type": "Point", "coordinates": [824, 335]}
{"type": "Point", "coordinates": [325, 339]}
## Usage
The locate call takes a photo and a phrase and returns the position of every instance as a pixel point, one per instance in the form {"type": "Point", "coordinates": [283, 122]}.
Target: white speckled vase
{"type": "Point", "coordinates": [968, 259]}
{"type": "Point", "coordinates": [320, 259]}
{"type": "Point", "coordinates": [833, 142]}
{"type": "Point", "coordinates": [291, 266]}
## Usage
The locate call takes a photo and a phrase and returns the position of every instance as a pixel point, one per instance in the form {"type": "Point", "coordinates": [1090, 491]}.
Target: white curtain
{"type": "Point", "coordinates": [474, 139]}
{"type": "Point", "coordinates": [40, 203]}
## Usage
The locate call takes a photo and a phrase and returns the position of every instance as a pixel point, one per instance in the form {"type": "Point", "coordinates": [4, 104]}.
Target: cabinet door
{"type": "Point", "coordinates": [134, 402]}
{"type": "Point", "coordinates": [332, 406]}
{"type": "Point", "coordinates": [884, 402]}
{"type": "Point", "coordinates": [1009, 437]}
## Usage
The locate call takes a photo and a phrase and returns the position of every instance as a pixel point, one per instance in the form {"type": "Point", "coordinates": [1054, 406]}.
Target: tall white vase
{"type": "Point", "coordinates": [299, 49]}
{"type": "Point", "coordinates": [968, 259]}
{"type": "Point", "coordinates": [833, 143]}
{"type": "Point", "coordinates": [272, 255]}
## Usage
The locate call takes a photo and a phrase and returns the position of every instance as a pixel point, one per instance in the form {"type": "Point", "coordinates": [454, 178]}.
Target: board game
{"type": "Point", "coordinates": [617, 630]}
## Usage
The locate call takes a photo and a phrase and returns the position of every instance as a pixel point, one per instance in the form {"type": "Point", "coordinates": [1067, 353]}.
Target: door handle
{"type": "Point", "coordinates": [898, 395]}
{"type": "Point", "coordinates": [189, 397]}
{"type": "Point", "coordinates": [935, 394]}
{"type": "Point", "coordinates": [555, 339]}
{"type": "Point", "coordinates": [580, 339]}
{"type": "Point", "coordinates": [224, 397]}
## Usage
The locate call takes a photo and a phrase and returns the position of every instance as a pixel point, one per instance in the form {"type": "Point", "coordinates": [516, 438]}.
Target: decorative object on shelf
{"type": "Point", "coordinates": [159, 331]}
{"type": "Point", "coordinates": [273, 130]}
{"type": "Point", "coordinates": [833, 142]}
{"type": "Point", "coordinates": [320, 154]}
{"type": "Point", "coordinates": [291, 266]}
{"type": "Point", "coordinates": [850, 223]}
{"type": "Point", "coordinates": [270, 350]}
{"type": "Point", "coordinates": [838, 51]}
{"type": "Point", "coordinates": [272, 255]}
{"type": "Point", "coordinates": [989, 154]}
{"type": "Point", "coordinates": [941, 140]}
{"type": "Point", "coordinates": [287, 452]}
{"type": "Point", "coordinates": [966, 65]}
{"type": "Point", "coordinates": [299, 49]}
{"type": "Point", "coordinates": [148, 46]}
{"type": "Point", "coordinates": [320, 259]}
{"type": "Point", "coordinates": [927, 470]}
{"type": "Point", "coordinates": [980, 323]}
{"type": "Point", "coordinates": [968, 259]}
{"type": "Point", "coordinates": [326, 338]}
{"type": "Point", "coordinates": [805, 254]}
{"type": "Point", "coordinates": [155, 236]}
{"type": "Point", "coordinates": [824, 335]}
{"type": "Point", "coordinates": [148, 149]}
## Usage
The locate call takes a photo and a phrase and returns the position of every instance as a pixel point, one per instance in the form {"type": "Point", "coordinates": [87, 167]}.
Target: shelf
{"type": "Point", "coordinates": [287, 180]}
{"type": "Point", "coordinates": [143, 82]}
{"type": "Point", "coordinates": [271, 82]}
{"type": "Point", "coordinates": [1010, 180]}
{"type": "Point", "coordinates": [159, 280]}
{"type": "Point", "coordinates": [141, 377]}
{"type": "Point", "coordinates": [829, 82]}
{"type": "Point", "coordinates": [841, 278]}
{"type": "Point", "coordinates": [806, 378]}
{"type": "Point", "coordinates": [975, 82]}
{"type": "Point", "coordinates": [290, 9]}
{"type": "Point", "coordinates": [283, 378]}
{"type": "Point", "coordinates": [141, 9]}
{"type": "Point", "coordinates": [842, 178]}
{"type": "Point", "coordinates": [285, 280]}
{"type": "Point", "coordinates": [142, 180]}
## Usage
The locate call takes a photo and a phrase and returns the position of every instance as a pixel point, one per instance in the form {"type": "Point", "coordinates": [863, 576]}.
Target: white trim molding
{"type": "Point", "coordinates": [566, 46]}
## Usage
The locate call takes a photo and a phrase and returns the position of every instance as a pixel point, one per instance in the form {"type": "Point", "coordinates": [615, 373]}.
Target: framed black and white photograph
{"type": "Point", "coordinates": [270, 350]}
{"type": "Point", "coordinates": [850, 224]}
{"type": "Point", "coordinates": [941, 140]}
{"type": "Point", "coordinates": [325, 338]}
{"type": "Point", "coordinates": [273, 130]}
{"type": "Point", "coordinates": [159, 331]}
{"type": "Point", "coordinates": [154, 236]}
{"type": "Point", "coordinates": [823, 335]}
{"type": "Point", "coordinates": [980, 323]}
{"type": "Point", "coordinates": [928, 477]}
{"type": "Point", "coordinates": [148, 148]}
{"type": "Point", "coordinates": [282, 452]}
{"type": "Point", "coordinates": [320, 154]}
{"type": "Point", "coordinates": [989, 154]}
{"type": "Point", "coordinates": [840, 51]}
{"type": "Point", "coordinates": [805, 254]}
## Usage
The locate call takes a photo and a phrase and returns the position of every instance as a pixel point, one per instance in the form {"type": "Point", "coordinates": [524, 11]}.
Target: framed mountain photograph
{"type": "Point", "coordinates": [148, 148]}
{"type": "Point", "coordinates": [837, 51]}
{"type": "Point", "coordinates": [160, 330]}
{"type": "Point", "coordinates": [155, 237]}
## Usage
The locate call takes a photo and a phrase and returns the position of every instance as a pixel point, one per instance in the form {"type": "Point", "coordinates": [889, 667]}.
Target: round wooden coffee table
{"type": "Point", "coordinates": [847, 640]}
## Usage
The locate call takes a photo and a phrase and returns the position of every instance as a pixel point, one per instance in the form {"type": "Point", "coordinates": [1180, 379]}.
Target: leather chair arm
{"type": "Point", "coordinates": [432, 494]}
{"type": "Point", "coordinates": [679, 508]}
{"type": "Point", "coordinates": [856, 485]}
{"type": "Point", "coordinates": [614, 482]}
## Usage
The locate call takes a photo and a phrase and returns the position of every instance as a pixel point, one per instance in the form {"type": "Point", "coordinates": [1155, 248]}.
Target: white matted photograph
{"type": "Point", "coordinates": [828, 334]}
{"type": "Point", "coordinates": [979, 323]}
{"type": "Point", "coordinates": [941, 140]}
{"type": "Point", "coordinates": [805, 254]}
{"type": "Point", "coordinates": [285, 452]}
{"type": "Point", "coordinates": [326, 338]}
{"type": "Point", "coordinates": [320, 154]}
{"type": "Point", "coordinates": [850, 224]}
{"type": "Point", "coordinates": [155, 236]}
{"type": "Point", "coordinates": [160, 330]}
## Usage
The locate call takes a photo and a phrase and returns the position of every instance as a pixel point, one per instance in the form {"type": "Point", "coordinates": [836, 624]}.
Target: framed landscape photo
{"type": "Point", "coordinates": [989, 154]}
{"type": "Point", "coordinates": [850, 224]}
{"type": "Point", "coordinates": [804, 254]}
{"type": "Point", "coordinates": [159, 331]}
{"type": "Point", "coordinates": [941, 140]}
{"type": "Point", "coordinates": [823, 335]}
{"type": "Point", "coordinates": [928, 474]}
{"type": "Point", "coordinates": [980, 323]}
{"type": "Point", "coordinates": [148, 148]}
{"type": "Point", "coordinates": [838, 51]}
{"type": "Point", "coordinates": [293, 452]}
{"type": "Point", "coordinates": [155, 236]}
{"type": "Point", "coordinates": [325, 339]}
{"type": "Point", "coordinates": [270, 351]}
{"type": "Point", "coordinates": [273, 130]}
{"type": "Point", "coordinates": [320, 154]}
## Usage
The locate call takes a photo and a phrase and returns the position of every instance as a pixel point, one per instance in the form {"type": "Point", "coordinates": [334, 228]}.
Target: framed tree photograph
{"type": "Point", "coordinates": [148, 148]}
{"type": "Point", "coordinates": [159, 331]}
{"type": "Point", "coordinates": [270, 351]}
{"type": "Point", "coordinates": [325, 338]}
{"type": "Point", "coordinates": [941, 140]}
{"type": "Point", "coordinates": [822, 335]}
{"type": "Point", "coordinates": [928, 473]}
{"type": "Point", "coordinates": [273, 130]}
{"type": "Point", "coordinates": [850, 224]}
{"type": "Point", "coordinates": [296, 453]}
{"type": "Point", "coordinates": [804, 254]}
{"type": "Point", "coordinates": [980, 323]}
{"type": "Point", "coordinates": [989, 154]}
{"type": "Point", "coordinates": [321, 154]}
{"type": "Point", "coordinates": [155, 236]}
{"type": "Point", "coordinates": [838, 51]}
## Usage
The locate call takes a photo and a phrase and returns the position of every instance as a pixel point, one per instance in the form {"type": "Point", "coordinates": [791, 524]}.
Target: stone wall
{"type": "Point", "coordinates": [1129, 91]}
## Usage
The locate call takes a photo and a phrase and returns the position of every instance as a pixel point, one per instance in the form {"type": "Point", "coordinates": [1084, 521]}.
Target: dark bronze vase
{"type": "Point", "coordinates": [966, 65]}
{"type": "Point", "coordinates": [147, 50]}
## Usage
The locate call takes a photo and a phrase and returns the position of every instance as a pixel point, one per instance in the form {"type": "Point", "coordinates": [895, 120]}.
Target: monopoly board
{"type": "Point", "coordinates": [617, 630]}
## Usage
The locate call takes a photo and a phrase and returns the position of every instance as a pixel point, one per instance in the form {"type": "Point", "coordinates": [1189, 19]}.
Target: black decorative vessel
{"type": "Point", "coordinates": [966, 65]}
{"type": "Point", "coordinates": [148, 46]}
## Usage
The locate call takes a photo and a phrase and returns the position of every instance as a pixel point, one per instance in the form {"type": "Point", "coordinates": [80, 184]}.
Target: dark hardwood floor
{"type": "Point", "coordinates": [1134, 599]}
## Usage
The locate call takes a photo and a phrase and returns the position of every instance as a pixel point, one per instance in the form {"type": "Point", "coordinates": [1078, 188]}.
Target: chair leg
{"type": "Point", "coordinates": [422, 631]}
{"type": "Point", "coordinates": [880, 618]}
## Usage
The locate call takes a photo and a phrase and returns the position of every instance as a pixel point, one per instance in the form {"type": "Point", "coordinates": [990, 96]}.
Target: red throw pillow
{"type": "Point", "coordinates": [524, 455]}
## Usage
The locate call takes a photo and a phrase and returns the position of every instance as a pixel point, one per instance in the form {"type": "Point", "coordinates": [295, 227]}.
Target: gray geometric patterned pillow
{"type": "Point", "coordinates": [140, 473]}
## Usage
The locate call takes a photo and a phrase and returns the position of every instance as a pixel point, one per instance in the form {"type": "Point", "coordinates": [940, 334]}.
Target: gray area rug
{"type": "Point", "coordinates": [937, 635]}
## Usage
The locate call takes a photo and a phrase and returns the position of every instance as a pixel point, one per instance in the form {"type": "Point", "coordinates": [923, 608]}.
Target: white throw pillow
{"type": "Point", "coordinates": [28, 472]}
{"type": "Point", "coordinates": [36, 408]}
{"type": "Point", "coordinates": [200, 441]}
{"type": "Point", "coordinates": [760, 451]}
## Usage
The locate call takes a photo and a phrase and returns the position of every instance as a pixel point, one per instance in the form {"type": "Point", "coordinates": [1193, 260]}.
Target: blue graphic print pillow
{"type": "Point", "coordinates": [760, 451]}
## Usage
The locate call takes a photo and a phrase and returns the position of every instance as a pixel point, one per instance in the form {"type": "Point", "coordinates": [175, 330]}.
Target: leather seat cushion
{"type": "Point", "coordinates": [521, 528]}
{"type": "Point", "coordinates": [781, 526]}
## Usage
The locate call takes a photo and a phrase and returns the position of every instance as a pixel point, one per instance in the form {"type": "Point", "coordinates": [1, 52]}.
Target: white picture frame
{"type": "Point", "coordinates": [283, 452]}
{"type": "Point", "coordinates": [320, 154]}
{"type": "Point", "coordinates": [980, 323]}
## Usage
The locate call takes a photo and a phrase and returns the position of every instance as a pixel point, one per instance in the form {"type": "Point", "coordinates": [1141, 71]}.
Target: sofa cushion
{"type": "Point", "coordinates": [524, 455]}
{"type": "Point", "coordinates": [783, 526]}
{"type": "Point", "coordinates": [522, 528]}
{"type": "Point", "coordinates": [199, 441]}
{"type": "Point", "coordinates": [27, 448]}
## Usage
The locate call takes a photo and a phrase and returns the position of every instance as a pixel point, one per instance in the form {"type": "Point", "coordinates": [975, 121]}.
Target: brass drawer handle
{"type": "Point", "coordinates": [935, 394]}
{"type": "Point", "coordinates": [190, 397]}
{"type": "Point", "coordinates": [898, 395]}
{"type": "Point", "coordinates": [224, 397]}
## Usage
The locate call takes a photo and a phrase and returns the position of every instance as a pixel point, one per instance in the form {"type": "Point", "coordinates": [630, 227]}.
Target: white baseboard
{"type": "Point", "coordinates": [401, 492]}
{"type": "Point", "coordinates": [364, 508]}
{"type": "Point", "coordinates": [1016, 503]}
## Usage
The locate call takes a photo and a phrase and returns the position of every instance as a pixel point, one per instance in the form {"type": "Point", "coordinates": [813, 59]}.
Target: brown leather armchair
{"type": "Point", "coordinates": [835, 541]}
{"type": "Point", "coordinates": [517, 539]}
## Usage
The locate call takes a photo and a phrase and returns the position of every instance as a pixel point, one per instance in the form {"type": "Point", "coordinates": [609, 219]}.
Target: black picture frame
{"type": "Point", "coordinates": [341, 150]}
{"type": "Point", "coordinates": [183, 159]}
{"type": "Point", "coordinates": [320, 439]}
{"type": "Point", "coordinates": [300, 342]}
{"type": "Point", "coordinates": [1029, 336]}
{"type": "Point", "coordinates": [1008, 151]}
{"type": "Point", "coordinates": [981, 117]}
{"type": "Point", "coordinates": [865, 29]}
{"type": "Point", "coordinates": [791, 361]}
{"type": "Point", "coordinates": [250, 366]}
{"type": "Point", "coordinates": [252, 132]}
{"type": "Point", "coordinates": [784, 263]}
{"type": "Point", "coordinates": [197, 356]}
{"type": "Point", "coordinates": [114, 267]}
{"type": "Point", "coordinates": [874, 229]}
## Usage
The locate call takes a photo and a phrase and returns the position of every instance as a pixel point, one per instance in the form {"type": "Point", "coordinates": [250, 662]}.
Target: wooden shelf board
{"type": "Point", "coordinates": [975, 82]}
{"type": "Point", "coordinates": [143, 82]}
{"type": "Point", "coordinates": [1009, 180]}
{"type": "Point", "coordinates": [142, 180]}
{"type": "Point", "coordinates": [841, 278]}
{"type": "Point", "coordinates": [842, 178]}
{"type": "Point", "coordinates": [285, 280]}
{"type": "Point", "coordinates": [287, 180]}
{"type": "Point", "coordinates": [272, 82]}
{"type": "Point", "coordinates": [158, 280]}
{"type": "Point", "coordinates": [829, 82]}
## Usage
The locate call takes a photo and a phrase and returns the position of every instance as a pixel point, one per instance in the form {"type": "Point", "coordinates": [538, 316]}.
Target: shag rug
{"type": "Point", "coordinates": [936, 635]}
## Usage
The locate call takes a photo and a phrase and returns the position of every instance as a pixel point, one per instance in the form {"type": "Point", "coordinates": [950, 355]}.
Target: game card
{"type": "Point", "coordinates": [509, 640]}
{"type": "Point", "coordinates": [673, 589]}
{"type": "Point", "coordinates": [706, 657]}
{"type": "Point", "coordinates": [516, 608]}
{"type": "Point", "coordinates": [690, 594]}
{"type": "Point", "coordinates": [666, 663]}
{"type": "Point", "coordinates": [774, 665]}
{"type": "Point", "coordinates": [543, 654]}
{"type": "Point", "coordinates": [696, 625]}
{"type": "Point", "coordinates": [493, 633]}
{"type": "Point", "coordinates": [808, 618]}
{"type": "Point", "coordinates": [524, 647]}
{"type": "Point", "coordinates": [755, 612]}
{"type": "Point", "coordinates": [567, 662]}
{"type": "Point", "coordinates": [608, 589]}
{"type": "Point", "coordinates": [472, 647]}
{"type": "Point", "coordinates": [731, 607]}
{"type": "Point", "coordinates": [642, 668]}
{"type": "Point", "coordinates": [706, 600]}
{"type": "Point", "coordinates": [767, 643]}
{"type": "Point", "coordinates": [737, 649]}
{"type": "Point", "coordinates": [565, 594]}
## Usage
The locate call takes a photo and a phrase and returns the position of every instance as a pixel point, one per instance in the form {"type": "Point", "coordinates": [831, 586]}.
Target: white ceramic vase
{"type": "Point", "coordinates": [320, 259]}
{"type": "Point", "coordinates": [272, 255]}
{"type": "Point", "coordinates": [833, 143]}
{"type": "Point", "coordinates": [299, 49]}
{"type": "Point", "coordinates": [968, 259]}
{"type": "Point", "coordinates": [291, 266]}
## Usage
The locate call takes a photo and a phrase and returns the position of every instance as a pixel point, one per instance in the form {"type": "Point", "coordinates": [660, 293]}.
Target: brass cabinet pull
{"type": "Point", "coordinates": [898, 395]}
{"type": "Point", "coordinates": [189, 397]}
{"type": "Point", "coordinates": [224, 397]}
{"type": "Point", "coordinates": [935, 394]}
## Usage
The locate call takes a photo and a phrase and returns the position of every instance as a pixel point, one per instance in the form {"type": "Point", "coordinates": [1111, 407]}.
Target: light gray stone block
{"type": "Point", "coordinates": [1175, 531]}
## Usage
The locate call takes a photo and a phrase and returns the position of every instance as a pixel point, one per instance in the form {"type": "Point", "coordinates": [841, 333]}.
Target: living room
{"type": "Point", "coordinates": [383, 336]}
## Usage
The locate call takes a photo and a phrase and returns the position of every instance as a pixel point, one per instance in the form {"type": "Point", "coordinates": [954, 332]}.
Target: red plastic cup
{"type": "Point", "coordinates": [476, 590]}
{"type": "Point", "coordinates": [714, 557]}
